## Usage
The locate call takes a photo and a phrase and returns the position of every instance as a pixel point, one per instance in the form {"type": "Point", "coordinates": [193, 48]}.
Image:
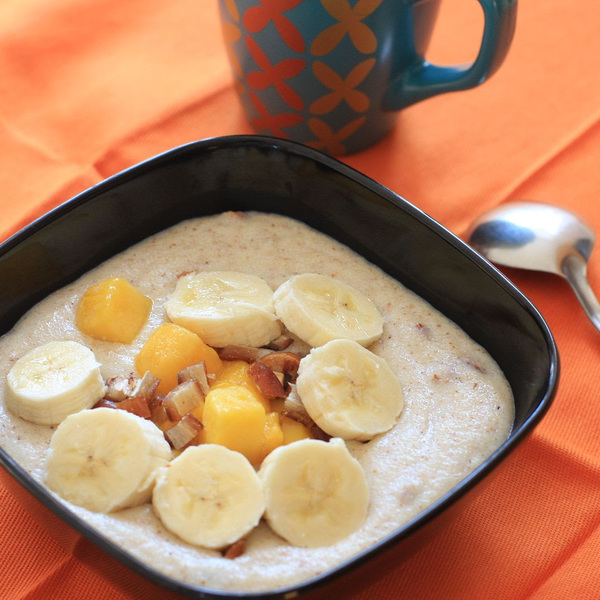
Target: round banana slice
{"type": "Point", "coordinates": [316, 492]}
{"type": "Point", "coordinates": [348, 391]}
{"type": "Point", "coordinates": [319, 309]}
{"type": "Point", "coordinates": [225, 307]}
{"type": "Point", "coordinates": [209, 496]}
{"type": "Point", "coordinates": [105, 459]}
{"type": "Point", "coordinates": [53, 381]}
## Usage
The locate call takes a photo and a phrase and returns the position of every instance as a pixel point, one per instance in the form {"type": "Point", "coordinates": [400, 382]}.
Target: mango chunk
{"type": "Point", "coordinates": [293, 431]}
{"type": "Point", "coordinates": [169, 349]}
{"type": "Point", "coordinates": [273, 434]}
{"type": "Point", "coordinates": [113, 310]}
{"type": "Point", "coordinates": [235, 372]}
{"type": "Point", "coordinates": [233, 418]}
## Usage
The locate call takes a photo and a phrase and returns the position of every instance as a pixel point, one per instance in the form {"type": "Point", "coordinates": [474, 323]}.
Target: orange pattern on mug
{"type": "Point", "coordinates": [342, 60]}
{"type": "Point", "coordinates": [349, 22]}
{"type": "Point", "coordinates": [231, 34]}
{"type": "Point", "coordinates": [256, 18]}
{"type": "Point", "coordinates": [275, 74]}
{"type": "Point", "coordinates": [232, 9]}
{"type": "Point", "coordinates": [342, 89]}
{"type": "Point", "coordinates": [329, 140]}
{"type": "Point", "coordinates": [272, 123]}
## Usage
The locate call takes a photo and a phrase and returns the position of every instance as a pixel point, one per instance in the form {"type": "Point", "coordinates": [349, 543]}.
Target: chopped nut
{"type": "Point", "coordinates": [236, 549]}
{"type": "Point", "coordinates": [234, 352]}
{"type": "Point", "coordinates": [197, 373]}
{"type": "Point", "coordinates": [284, 361]}
{"type": "Point", "coordinates": [158, 414]}
{"type": "Point", "coordinates": [318, 434]}
{"type": "Point", "coordinates": [118, 388]}
{"type": "Point", "coordinates": [182, 399]}
{"type": "Point", "coordinates": [146, 386]}
{"type": "Point", "coordinates": [105, 403]}
{"type": "Point", "coordinates": [280, 343]}
{"type": "Point", "coordinates": [294, 409]}
{"type": "Point", "coordinates": [138, 405]}
{"type": "Point", "coordinates": [281, 377]}
{"type": "Point", "coordinates": [267, 381]}
{"type": "Point", "coordinates": [185, 433]}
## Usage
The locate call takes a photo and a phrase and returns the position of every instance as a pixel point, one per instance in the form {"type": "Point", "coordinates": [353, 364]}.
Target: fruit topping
{"type": "Point", "coordinates": [113, 310]}
{"type": "Point", "coordinates": [348, 391]}
{"type": "Point", "coordinates": [319, 309]}
{"type": "Point", "coordinates": [225, 308]}
{"type": "Point", "coordinates": [53, 381]}
{"type": "Point", "coordinates": [234, 418]}
{"type": "Point", "coordinates": [209, 496]}
{"type": "Point", "coordinates": [105, 460]}
{"type": "Point", "coordinates": [315, 492]}
{"type": "Point", "coordinates": [170, 349]}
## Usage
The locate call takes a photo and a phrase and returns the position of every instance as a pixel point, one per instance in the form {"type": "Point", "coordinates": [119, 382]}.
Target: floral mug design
{"type": "Point", "coordinates": [333, 73]}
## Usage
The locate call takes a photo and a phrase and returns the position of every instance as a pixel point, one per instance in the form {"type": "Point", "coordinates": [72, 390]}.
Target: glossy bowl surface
{"type": "Point", "coordinates": [271, 175]}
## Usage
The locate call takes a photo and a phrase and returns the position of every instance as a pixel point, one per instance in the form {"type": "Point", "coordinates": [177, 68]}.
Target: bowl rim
{"type": "Point", "coordinates": [450, 498]}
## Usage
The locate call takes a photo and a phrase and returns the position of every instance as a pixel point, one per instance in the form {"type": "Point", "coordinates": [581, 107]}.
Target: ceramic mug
{"type": "Point", "coordinates": [332, 73]}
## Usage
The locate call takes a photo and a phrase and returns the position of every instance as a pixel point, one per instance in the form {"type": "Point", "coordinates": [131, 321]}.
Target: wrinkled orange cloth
{"type": "Point", "coordinates": [90, 87]}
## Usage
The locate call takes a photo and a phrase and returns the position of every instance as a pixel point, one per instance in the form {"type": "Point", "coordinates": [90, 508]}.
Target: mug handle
{"type": "Point", "coordinates": [426, 80]}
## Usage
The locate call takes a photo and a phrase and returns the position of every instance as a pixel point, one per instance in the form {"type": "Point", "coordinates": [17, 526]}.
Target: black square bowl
{"type": "Point", "coordinates": [271, 175]}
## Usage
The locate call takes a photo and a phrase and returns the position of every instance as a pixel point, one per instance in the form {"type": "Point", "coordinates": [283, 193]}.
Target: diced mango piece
{"type": "Point", "coordinates": [198, 412]}
{"type": "Point", "coordinates": [293, 431]}
{"type": "Point", "coordinates": [169, 349]}
{"type": "Point", "coordinates": [234, 418]}
{"type": "Point", "coordinates": [235, 372]}
{"type": "Point", "coordinates": [273, 434]}
{"type": "Point", "coordinates": [113, 310]}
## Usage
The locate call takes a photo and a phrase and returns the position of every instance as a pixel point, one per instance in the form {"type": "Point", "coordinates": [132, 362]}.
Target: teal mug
{"type": "Point", "coordinates": [332, 74]}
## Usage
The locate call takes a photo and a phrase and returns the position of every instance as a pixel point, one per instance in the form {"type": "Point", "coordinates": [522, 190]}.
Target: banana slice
{"type": "Point", "coordinates": [316, 492]}
{"type": "Point", "coordinates": [348, 391]}
{"type": "Point", "coordinates": [319, 309]}
{"type": "Point", "coordinates": [105, 459]}
{"type": "Point", "coordinates": [53, 381]}
{"type": "Point", "coordinates": [209, 496]}
{"type": "Point", "coordinates": [225, 307]}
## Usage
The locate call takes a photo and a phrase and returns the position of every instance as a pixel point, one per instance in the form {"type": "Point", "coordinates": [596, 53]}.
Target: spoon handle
{"type": "Point", "coordinates": [574, 269]}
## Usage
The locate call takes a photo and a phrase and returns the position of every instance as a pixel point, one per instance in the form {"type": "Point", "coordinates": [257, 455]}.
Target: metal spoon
{"type": "Point", "coordinates": [539, 237]}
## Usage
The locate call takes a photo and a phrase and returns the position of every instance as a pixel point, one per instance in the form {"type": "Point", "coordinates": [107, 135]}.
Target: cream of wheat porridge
{"type": "Point", "coordinates": [458, 405]}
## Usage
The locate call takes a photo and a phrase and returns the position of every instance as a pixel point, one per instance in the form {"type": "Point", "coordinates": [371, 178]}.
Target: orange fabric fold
{"type": "Point", "coordinates": [91, 87]}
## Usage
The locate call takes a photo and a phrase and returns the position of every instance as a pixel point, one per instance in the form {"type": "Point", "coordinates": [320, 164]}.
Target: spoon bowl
{"type": "Point", "coordinates": [539, 237]}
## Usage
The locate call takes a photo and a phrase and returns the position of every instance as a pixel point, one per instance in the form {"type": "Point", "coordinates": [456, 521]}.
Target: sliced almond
{"type": "Point", "coordinates": [233, 352]}
{"type": "Point", "coordinates": [284, 362]}
{"type": "Point", "coordinates": [266, 380]}
{"type": "Point", "coordinates": [281, 377]}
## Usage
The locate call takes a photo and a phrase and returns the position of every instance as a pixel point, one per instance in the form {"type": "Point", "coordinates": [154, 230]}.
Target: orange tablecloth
{"type": "Point", "coordinates": [89, 87]}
